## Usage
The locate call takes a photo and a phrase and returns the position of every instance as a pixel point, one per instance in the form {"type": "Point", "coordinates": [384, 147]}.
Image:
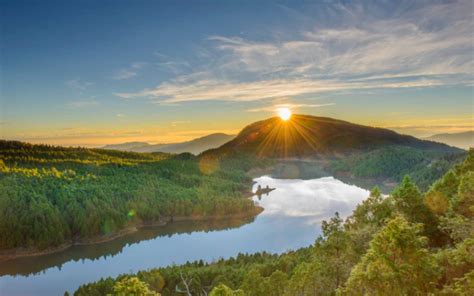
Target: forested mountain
{"type": "Point", "coordinates": [311, 147]}
{"type": "Point", "coordinates": [463, 140]}
{"type": "Point", "coordinates": [310, 136]}
{"type": "Point", "coordinates": [194, 146]}
{"type": "Point", "coordinates": [392, 163]}
{"type": "Point", "coordinates": [409, 243]}
{"type": "Point", "coordinates": [51, 196]}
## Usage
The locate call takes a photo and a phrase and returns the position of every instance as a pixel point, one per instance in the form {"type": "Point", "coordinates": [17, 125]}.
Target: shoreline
{"type": "Point", "coordinates": [12, 254]}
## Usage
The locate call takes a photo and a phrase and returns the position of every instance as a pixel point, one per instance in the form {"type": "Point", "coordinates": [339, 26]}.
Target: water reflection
{"type": "Point", "coordinates": [33, 265]}
{"type": "Point", "coordinates": [317, 198]}
{"type": "Point", "coordinates": [290, 220]}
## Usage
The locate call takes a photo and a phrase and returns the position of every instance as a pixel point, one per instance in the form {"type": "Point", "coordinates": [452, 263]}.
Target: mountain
{"type": "Point", "coordinates": [194, 146]}
{"type": "Point", "coordinates": [305, 136]}
{"type": "Point", "coordinates": [463, 140]}
{"type": "Point", "coordinates": [128, 146]}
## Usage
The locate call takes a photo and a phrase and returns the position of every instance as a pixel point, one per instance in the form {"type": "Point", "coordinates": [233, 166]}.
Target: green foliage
{"type": "Point", "coordinates": [409, 201]}
{"type": "Point", "coordinates": [396, 261]}
{"type": "Point", "coordinates": [55, 195]}
{"type": "Point", "coordinates": [223, 290]}
{"type": "Point", "coordinates": [132, 286]}
{"type": "Point", "coordinates": [394, 162]}
{"type": "Point", "coordinates": [384, 247]}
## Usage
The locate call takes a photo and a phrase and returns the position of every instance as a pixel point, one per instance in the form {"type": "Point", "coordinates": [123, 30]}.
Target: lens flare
{"type": "Point", "coordinates": [284, 113]}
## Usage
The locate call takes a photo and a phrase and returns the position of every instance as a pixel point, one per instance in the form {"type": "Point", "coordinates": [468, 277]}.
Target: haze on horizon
{"type": "Point", "coordinates": [93, 73]}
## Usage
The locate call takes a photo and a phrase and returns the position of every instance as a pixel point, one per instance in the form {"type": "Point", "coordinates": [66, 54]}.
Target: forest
{"type": "Point", "coordinates": [410, 242]}
{"type": "Point", "coordinates": [50, 196]}
{"type": "Point", "coordinates": [394, 162]}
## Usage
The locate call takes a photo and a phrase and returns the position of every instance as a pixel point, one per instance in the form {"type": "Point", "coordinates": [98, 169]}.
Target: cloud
{"type": "Point", "coordinates": [124, 74]}
{"type": "Point", "coordinates": [402, 46]}
{"type": "Point", "coordinates": [289, 105]}
{"type": "Point", "coordinates": [129, 72]}
{"type": "Point", "coordinates": [225, 90]}
{"type": "Point", "coordinates": [78, 84]}
{"type": "Point", "coordinates": [173, 65]}
{"type": "Point", "coordinates": [426, 127]}
{"type": "Point", "coordinates": [425, 46]}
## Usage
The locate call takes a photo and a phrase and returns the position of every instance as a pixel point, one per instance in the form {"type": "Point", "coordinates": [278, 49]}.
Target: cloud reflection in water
{"type": "Point", "coordinates": [316, 199]}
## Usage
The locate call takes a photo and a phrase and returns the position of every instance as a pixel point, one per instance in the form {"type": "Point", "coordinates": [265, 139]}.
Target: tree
{"type": "Point", "coordinates": [223, 290]}
{"type": "Point", "coordinates": [253, 283]}
{"type": "Point", "coordinates": [373, 211]}
{"type": "Point", "coordinates": [278, 282]}
{"type": "Point", "coordinates": [334, 249]}
{"type": "Point", "coordinates": [409, 202]}
{"type": "Point", "coordinates": [397, 261]}
{"type": "Point", "coordinates": [132, 286]}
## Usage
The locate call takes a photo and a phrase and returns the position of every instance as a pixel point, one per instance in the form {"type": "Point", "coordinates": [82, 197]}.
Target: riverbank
{"type": "Point", "coordinates": [21, 252]}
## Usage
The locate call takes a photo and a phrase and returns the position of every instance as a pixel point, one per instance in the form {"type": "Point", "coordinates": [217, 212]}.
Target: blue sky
{"type": "Point", "coordinates": [98, 72]}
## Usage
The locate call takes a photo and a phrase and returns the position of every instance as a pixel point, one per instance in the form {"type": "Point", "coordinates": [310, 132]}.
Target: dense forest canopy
{"type": "Point", "coordinates": [394, 162]}
{"type": "Point", "coordinates": [409, 243]}
{"type": "Point", "coordinates": [54, 195]}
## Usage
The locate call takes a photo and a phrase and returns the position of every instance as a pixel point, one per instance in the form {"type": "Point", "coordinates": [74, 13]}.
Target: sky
{"type": "Point", "coordinates": [91, 73]}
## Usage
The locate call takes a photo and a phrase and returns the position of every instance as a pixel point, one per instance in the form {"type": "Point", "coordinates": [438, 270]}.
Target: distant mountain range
{"type": "Point", "coordinates": [310, 136]}
{"type": "Point", "coordinates": [194, 146]}
{"type": "Point", "coordinates": [463, 140]}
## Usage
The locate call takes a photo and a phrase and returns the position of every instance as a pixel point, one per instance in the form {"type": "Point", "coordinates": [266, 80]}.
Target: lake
{"type": "Point", "coordinates": [290, 220]}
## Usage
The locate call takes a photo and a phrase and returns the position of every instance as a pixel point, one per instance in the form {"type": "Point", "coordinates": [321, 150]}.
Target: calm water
{"type": "Point", "coordinates": [291, 220]}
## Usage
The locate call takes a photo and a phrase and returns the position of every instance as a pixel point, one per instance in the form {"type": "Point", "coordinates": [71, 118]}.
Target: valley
{"type": "Point", "coordinates": [236, 148]}
{"type": "Point", "coordinates": [181, 241]}
{"type": "Point", "coordinates": [96, 207]}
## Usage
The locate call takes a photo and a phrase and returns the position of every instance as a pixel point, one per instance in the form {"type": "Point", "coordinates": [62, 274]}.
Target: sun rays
{"type": "Point", "coordinates": [288, 137]}
{"type": "Point", "coordinates": [284, 113]}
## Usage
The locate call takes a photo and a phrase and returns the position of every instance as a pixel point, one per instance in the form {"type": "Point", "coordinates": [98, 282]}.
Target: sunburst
{"type": "Point", "coordinates": [284, 113]}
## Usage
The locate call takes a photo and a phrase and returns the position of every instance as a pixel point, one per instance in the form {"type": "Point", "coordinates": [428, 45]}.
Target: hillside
{"type": "Point", "coordinates": [305, 136]}
{"type": "Point", "coordinates": [194, 146]}
{"type": "Point", "coordinates": [51, 197]}
{"type": "Point", "coordinates": [309, 147]}
{"type": "Point", "coordinates": [409, 243]}
{"type": "Point", "coordinates": [463, 140]}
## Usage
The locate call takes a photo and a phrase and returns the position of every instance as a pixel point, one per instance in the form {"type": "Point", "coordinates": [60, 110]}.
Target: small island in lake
{"type": "Point", "coordinates": [260, 191]}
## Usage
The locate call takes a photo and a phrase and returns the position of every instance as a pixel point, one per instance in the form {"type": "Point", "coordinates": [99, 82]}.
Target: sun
{"type": "Point", "coordinates": [284, 113]}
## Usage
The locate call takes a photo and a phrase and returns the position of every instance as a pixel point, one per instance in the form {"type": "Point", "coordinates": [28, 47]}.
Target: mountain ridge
{"type": "Point", "coordinates": [309, 136]}
{"type": "Point", "coordinates": [194, 146]}
{"type": "Point", "coordinates": [463, 140]}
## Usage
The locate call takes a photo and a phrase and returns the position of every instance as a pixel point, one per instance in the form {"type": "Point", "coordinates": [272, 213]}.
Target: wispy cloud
{"type": "Point", "coordinates": [429, 45]}
{"type": "Point", "coordinates": [206, 90]}
{"type": "Point", "coordinates": [79, 84]}
{"type": "Point", "coordinates": [426, 127]}
{"type": "Point", "coordinates": [291, 106]}
{"type": "Point", "coordinates": [130, 71]}
{"type": "Point", "coordinates": [171, 64]}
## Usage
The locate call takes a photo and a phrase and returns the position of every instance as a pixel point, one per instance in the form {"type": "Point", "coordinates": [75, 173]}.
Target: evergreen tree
{"type": "Point", "coordinates": [397, 261]}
